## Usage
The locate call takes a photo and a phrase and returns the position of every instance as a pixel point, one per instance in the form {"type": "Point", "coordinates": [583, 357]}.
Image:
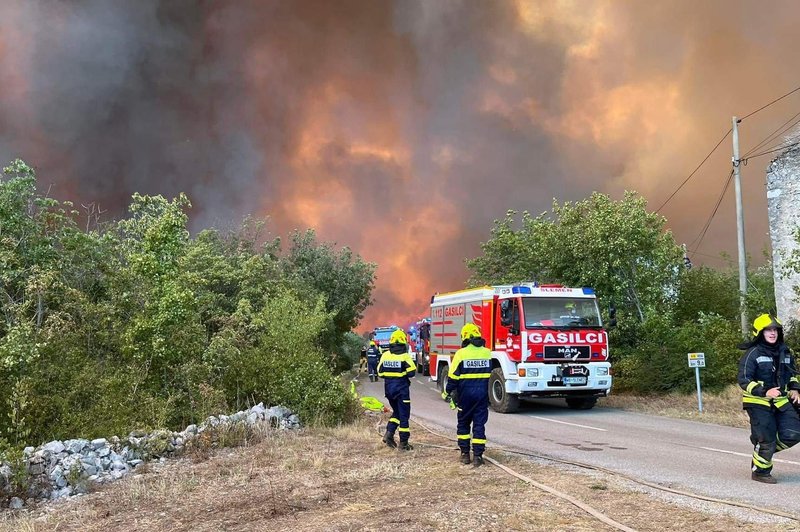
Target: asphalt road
{"type": "Point", "coordinates": [702, 458]}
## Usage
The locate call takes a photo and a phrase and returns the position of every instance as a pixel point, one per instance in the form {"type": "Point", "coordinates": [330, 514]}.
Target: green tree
{"type": "Point", "coordinates": [343, 278]}
{"type": "Point", "coordinates": [617, 247]}
{"type": "Point", "coordinates": [135, 324]}
{"type": "Point", "coordinates": [707, 290]}
{"type": "Point", "coordinates": [161, 317]}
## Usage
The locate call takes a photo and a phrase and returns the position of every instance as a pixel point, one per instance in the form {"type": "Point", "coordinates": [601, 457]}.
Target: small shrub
{"type": "Point", "coordinates": [18, 481]}
{"type": "Point", "coordinates": [658, 362]}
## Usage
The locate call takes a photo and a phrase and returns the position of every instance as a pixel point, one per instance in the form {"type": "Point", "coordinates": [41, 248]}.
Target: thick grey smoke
{"type": "Point", "coordinates": [398, 128]}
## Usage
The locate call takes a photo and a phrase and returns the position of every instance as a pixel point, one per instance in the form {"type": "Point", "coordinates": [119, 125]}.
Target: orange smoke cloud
{"type": "Point", "coordinates": [399, 129]}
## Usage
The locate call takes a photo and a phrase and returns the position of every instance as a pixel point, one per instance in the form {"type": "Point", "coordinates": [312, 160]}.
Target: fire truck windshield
{"type": "Point", "coordinates": [560, 312]}
{"type": "Point", "coordinates": [382, 335]}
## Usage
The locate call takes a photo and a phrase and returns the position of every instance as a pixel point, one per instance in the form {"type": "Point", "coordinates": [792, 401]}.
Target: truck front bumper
{"type": "Point", "coordinates": [556, 380]}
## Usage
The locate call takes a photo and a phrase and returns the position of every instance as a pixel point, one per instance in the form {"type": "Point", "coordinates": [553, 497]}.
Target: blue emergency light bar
{"type": "Point", "coordinates": [520, 290]}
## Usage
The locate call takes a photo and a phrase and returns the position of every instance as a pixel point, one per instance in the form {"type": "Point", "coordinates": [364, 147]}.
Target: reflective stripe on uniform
{"type": "Point", "coordinates": [471, 362]}
{"type": "Point", "coordinates": [396, 366]}
{"type": "Point", "coordinates": [392, 374]}
{"type": "Point", "coordinates": [475, 376]}
{"type": "Point", "coordinates": [753, 400]}
{"type": "Point", "coordinates": [760, 462]}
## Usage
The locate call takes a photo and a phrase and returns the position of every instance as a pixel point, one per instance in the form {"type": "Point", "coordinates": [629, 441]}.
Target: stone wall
{"type": "Point", "coordinates": [63, 468]}
{"type": "Point", "coordinates": [783, 207]}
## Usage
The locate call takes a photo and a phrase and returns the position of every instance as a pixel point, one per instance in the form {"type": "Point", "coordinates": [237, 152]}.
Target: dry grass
{"type": "Point", "coordinates": [723, 408]}
{"type": "Point", "coordinates": [345, 479]}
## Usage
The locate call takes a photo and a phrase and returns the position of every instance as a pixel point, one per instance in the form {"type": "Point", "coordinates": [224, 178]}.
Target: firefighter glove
{"type": "Point", "coordinates": [449, 398]}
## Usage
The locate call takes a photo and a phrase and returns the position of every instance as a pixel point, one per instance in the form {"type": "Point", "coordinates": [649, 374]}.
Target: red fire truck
{"type": "Point", "coordinates": [381, 335]}
{"type": "Point", "coordinates": [546, 341]}
{"type": "Point", "coordinates": [419, 341]}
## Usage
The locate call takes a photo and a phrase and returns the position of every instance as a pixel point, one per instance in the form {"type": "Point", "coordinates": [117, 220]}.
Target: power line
{"type": "Point", "coordinates": [699, 238]}
{"type": "Point", "coordinates": [695, 170]}
{"type": "Point", "coordinates": [717, 257]}
{"type": "Point", "coordinates": [779, 148]}
{"type": "Point", "coordinates": [772, 102]}
{"type": "Point", "coordinates": [779, 131]}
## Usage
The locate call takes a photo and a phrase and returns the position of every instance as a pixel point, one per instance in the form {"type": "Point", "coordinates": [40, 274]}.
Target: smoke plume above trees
{"type": "Point", "coordinates": [400, 129]}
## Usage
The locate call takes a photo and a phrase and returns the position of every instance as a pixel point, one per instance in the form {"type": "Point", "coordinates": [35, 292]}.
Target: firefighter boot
{"type": "Point", "coordinates": [405, 446]}
{"type": "Point", "coordinates": [465, 459]}
{"type": "Point", "coordinates": [478, 460]}
{"type": "Point", "coordinates": [766, 479]}
{"type": "Point", "coordinates": [388, 439]}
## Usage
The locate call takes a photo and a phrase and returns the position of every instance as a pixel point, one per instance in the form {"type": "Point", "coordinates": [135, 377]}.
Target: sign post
{"type": "Point", "coordinates": [697, 361]}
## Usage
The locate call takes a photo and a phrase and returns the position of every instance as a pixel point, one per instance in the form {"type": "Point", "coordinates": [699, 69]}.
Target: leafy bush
{"type": "Point", "coordinates": [136, 325]}
{"type": "Point", "coordinates": [658, 361]}
{"type": "Point", "coordinates": [283, 365]}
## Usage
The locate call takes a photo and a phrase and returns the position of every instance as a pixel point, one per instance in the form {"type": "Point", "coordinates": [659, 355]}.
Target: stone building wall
{"type": "Point", "coordinates": [783, 208]}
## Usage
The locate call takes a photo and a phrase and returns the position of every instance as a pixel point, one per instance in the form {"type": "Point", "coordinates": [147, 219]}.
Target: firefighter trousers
{"type": "Point", "coordinates": [372, 364]}
{"type": "Point", "coordinates": [771, 431]}
{"type": "Point", "coordinates": [473, 409]}
{"type": "Point", "coordinates": [400, 401]}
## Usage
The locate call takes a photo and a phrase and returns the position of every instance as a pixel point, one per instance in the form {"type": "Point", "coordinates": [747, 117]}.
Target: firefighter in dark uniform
{"type": "Point", "coordinates": [396, 368]}
{"type": "Point", "coordinates": [373, 354]}
{"type": "Point", "coordinates": [468, 388]}
{"type": "Point", "coordinates": [768, 378]}
{"type": "Point", "coordinates": [362, 360]}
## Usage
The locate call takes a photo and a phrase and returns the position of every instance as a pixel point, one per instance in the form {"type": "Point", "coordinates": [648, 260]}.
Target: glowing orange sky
{"type": "Point", "coordinates": [400, 129]}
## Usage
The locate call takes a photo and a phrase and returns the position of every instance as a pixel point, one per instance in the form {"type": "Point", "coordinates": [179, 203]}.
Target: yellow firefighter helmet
{"type": "Point", "coordinates": [470, 330]}
{"type": "Point", "coordinates": [398, 337]}
{"type": "Point", "coordinates": [765, 321]}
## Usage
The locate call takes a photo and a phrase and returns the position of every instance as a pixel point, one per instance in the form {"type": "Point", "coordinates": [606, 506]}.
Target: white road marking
{"type": "Point", "coordinates": [748, 455]}
{"type": "Point", "coordinates": [573, 424]}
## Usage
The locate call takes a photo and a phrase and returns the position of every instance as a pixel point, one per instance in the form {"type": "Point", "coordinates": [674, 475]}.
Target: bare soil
{"type": "Point", "coordinates": [345, 479]}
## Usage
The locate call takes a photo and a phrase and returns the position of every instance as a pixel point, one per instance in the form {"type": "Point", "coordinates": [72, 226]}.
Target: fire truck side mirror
{"type": "Point", "coordinates": [612, 315]}
{"type": "Point", "coordinates": [505, 312]}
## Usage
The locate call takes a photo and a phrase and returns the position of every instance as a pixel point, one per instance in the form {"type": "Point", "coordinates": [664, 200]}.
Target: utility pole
{"type": "Point", "coordinates": [740, 226]}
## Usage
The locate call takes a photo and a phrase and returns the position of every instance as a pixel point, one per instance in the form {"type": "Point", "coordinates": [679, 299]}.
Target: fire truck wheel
{"type": "Point", "coordinates": [582, 403]}
{"type": "Point", "coordinates": [441, 381]}
{"type": "Point", "coordinates": [499, 398]}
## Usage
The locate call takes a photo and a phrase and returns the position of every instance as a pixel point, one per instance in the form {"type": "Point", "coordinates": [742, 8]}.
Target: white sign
{"type": "Point", "coordinates": [697, 360]}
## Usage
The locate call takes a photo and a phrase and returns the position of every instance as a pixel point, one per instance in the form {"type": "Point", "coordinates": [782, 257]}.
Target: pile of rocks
{"type": "Point", "coordinates": [64, 468]}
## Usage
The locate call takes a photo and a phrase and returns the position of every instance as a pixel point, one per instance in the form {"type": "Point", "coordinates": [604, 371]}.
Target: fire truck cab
{"type": "Point", "coordinates": [381, 335]}
{"type": "Point", "coordinates": [546, 341]}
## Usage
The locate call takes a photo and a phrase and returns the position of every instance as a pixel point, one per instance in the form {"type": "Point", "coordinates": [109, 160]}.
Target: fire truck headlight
{"type": "Point", "coordinates": [602, 371]}
{"type": "Point", "coordinates": [528, 372]}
